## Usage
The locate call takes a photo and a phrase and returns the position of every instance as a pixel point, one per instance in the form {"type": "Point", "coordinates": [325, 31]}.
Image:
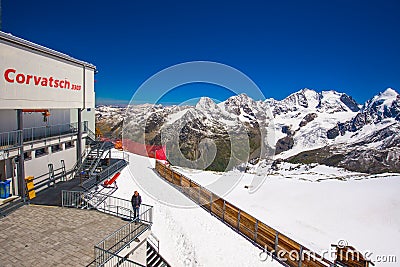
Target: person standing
{"type": "Point", "coordinates": [136, 202]}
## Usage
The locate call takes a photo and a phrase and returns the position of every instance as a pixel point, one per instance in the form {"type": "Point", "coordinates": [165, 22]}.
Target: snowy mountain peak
{"type": "Point", "coordinates": [206, 103]}
{"type": "Point", "coordinates": [386, 98]}
{"type": "Point", "coordinates": [303, 98]}
{"type": "Point", "coordinates": [239, 99]}
{"type": "Point", "coordinates": [384, 105]}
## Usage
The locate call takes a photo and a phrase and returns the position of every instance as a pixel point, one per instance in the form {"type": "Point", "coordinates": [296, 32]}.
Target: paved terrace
{"type": "Point", "coordinates": [53, 236]}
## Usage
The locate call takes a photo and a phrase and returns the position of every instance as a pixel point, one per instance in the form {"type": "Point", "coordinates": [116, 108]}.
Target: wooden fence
{"type": "Point", "coordinates": [283, 248]}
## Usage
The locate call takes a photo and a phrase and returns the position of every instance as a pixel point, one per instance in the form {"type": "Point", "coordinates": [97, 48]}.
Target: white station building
{"type": "Point", "coordinates": [47, 125]}
{"type": "Point", "coordinates": [46, 110]}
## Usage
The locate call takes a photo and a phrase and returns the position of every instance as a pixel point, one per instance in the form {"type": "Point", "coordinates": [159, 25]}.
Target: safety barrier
{"type": "Point", "coordinates": [37, 133]}
{"type": "Point", "coordinates": [282, 247]}
{"type": "Point", "coordinates": [112, 259]}
{"type": "Point", "coordinates": [108, 204]}
{"type": "Point", "coordinates": [106, 251]}
{"type": "Point", "coordinates": [74, 199]}
{"type": "Point", "coordinates": [97, 178]}
{"type": "Point", "coordinates": [10, 140]}
{"type": "Point", "coordinates": [122, 208]}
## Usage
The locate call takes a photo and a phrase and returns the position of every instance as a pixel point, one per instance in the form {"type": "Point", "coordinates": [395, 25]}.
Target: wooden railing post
{"type": "Point", "coordinates": [223, 212]}
{"type": "Point", "coordinates": [238, 222]}
{"type": "Point", "coordinates": [199, 195]}
{"type": "Point", "coordinates": [211, 201]}
{"type": "Point", "coordinates": [276, 242]}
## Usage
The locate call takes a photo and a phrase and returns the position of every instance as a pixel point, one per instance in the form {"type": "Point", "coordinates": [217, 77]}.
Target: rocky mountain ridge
{"type": "Point", "coordinates": [326, 127]}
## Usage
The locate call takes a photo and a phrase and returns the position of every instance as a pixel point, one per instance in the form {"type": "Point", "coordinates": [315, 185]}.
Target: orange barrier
{"type": "Point", "coordinates": [112, 180]}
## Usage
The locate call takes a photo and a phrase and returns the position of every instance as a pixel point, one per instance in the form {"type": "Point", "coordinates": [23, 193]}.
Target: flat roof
{"type": "Point", "coordinates": [53, 236]}
{"type": "Point", "coordinates": [9, 38]}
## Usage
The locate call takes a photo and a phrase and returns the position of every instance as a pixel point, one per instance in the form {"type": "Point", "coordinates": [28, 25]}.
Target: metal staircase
{"type": "Point", "coordinates": [92, 160]}
{"type": "Point", "coordinates": [154, 259]}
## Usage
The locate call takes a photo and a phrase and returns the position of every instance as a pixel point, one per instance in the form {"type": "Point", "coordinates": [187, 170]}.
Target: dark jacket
{"type": "Point", "coordinates": [136, 200]}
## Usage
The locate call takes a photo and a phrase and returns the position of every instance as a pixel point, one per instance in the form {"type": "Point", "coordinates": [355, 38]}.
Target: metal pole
{"type": "Point", "coordinates": [79, 138]}
{"type": "Point", "coordinates": [21, 163]}
{"type": "Point", "coordinates": [276, 242]}
{"type": "Point", "coordinates": [301, 257]}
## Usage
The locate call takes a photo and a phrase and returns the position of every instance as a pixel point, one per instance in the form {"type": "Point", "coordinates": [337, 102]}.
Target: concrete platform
{"type": "Point", "coordinates": [53, 236]}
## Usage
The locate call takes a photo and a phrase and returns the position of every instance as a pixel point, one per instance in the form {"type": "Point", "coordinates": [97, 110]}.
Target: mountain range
{"type": "Point", "coordinates": [326, 127]}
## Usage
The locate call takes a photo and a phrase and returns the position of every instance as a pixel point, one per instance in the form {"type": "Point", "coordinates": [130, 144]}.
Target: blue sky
{"type": "Point", "coordinates": [347, 45]}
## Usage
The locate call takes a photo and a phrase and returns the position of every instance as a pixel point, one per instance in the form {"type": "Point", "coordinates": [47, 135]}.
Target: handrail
{"type": "Point", "coordinates": [100, 152]}
{"type": "Point", "coordinates": [81, 199]}
{"type": "Point", "coordinates": [78, 165]}
{"type": "Point", "coordinates": [117, 241]}
{"type": "Point", "coordinates": [106, 251]}
{"type": "Point", "coordinates": [41, 132]}
{"type": "Point", "coordinates": [91, 134]}
{"type": "Point", "coordinates": [13, 138]}
{"type": "Point", "coordinates": [113, 259]}
{"type": "Point", "coordinates": [96, 178]}
{"type": "Point", "coordinates": [110, 201]}
{"type": "Point", "coordinates": [10, 139]}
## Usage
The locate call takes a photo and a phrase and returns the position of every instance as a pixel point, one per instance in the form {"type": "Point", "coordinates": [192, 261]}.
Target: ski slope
{"type": "Point", "coordinates": [363, 210]}
{"type": "Point", "coordinates": [188, 236]}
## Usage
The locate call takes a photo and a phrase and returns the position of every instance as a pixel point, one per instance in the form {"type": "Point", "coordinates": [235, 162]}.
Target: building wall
{"type": "Point", "coordinates": [39, 165]}
{"type": "Point", "coordinates": [36, 80]}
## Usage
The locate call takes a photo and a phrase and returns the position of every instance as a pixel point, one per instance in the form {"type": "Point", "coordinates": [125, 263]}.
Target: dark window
{"type": "Point", "coordinates": [56, 148]}
{"type": "Point", "coordinates": [27, 155]}
{"type": "Point", "coordinates": [69, 144]}
{"type": "Point", "coordinates": [41, 152]}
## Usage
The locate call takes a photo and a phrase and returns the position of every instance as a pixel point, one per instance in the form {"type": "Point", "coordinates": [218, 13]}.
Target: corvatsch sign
{"type": "Point", "coordinates": [31, 79]}
{"type": "Point", "coordinates": [12, 76]}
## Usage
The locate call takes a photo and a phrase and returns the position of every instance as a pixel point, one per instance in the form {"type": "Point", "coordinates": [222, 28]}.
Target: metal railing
{"type": "Point", "coordinates": [13, 139]}
{"type": "Point", "coordinates": [117, 241]}
{"type": "Point", "coordinates": [106, 251]}
{"type": "Point", "coordinates": [10, 139]}
{"type": "Point", "coordinates": [74, 199]}
{"type": "Point", "coordinates": [100, 151]}
{"type": "Point", "coordinates": [123, 208]}
{"type": "Point", "coordinates": [50, 178]}
{"type": "Point", "coordinates": [78, 165]}
{"type": "Point", "coordinates": [113, 260]}
{"type": "Point", "coordinates": [37, 133]}
{"type": "Point", "coordinates": [108, 204]}
{"type": "Point", "coordinates": [90, 133]}
{"type": "Point", "coordinates": [97, 178]}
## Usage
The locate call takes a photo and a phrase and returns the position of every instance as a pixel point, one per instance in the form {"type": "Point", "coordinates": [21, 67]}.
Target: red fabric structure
{"type": "Point", "coordinates": [151, 151]}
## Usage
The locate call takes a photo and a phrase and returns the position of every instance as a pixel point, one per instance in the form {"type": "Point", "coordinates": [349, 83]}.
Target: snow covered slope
{"type": "Point", "coordinates": [188, 236]}
{"type": "Point", "coordinates": [318, 206]}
